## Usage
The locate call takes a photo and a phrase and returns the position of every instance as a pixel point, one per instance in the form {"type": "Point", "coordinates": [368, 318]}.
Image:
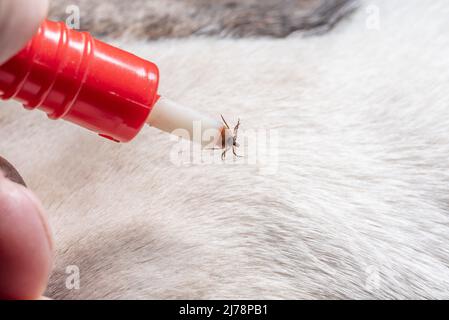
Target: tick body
{"type": "Point", "coordinates": [229, 139]}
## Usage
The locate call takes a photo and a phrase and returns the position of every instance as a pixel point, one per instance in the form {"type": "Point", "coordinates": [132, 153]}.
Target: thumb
{"type": "Point", "coordinates": [19, 21]}
{"type": "Point", "coordinates": [25, 243]}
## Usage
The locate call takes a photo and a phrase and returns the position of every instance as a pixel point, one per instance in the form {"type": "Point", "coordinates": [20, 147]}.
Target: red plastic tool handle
{"type": "Point", "coordinates": [70, 75]}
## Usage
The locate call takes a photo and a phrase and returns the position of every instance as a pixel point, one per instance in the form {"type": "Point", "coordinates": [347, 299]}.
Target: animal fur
{"type": "Point", "coordinates": [153, 19]}
{"type": "Point", "coordinates": [358, 206]}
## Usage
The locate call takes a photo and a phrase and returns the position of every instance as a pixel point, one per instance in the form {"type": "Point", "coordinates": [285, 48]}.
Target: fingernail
{"type": "Point", "coordinates": [10, 172]}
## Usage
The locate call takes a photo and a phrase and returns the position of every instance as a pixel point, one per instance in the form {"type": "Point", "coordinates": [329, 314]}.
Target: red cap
{"type": "Point", "coordinates": [70, 75]}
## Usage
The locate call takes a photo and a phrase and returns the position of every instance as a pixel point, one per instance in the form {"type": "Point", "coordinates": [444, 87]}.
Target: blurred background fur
{"type": "Point", "coordinates": [153, 19]}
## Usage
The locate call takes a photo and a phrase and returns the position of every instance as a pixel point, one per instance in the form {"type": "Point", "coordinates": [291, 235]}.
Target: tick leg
{"type": "Point", "coordinates": [236, 129]}
{"type": "Point", "coordinates": [222, 118]}
{"type": "Point", "coordinates": [223, 155]}
{"type": "Point", "coordinates": [235, 154]}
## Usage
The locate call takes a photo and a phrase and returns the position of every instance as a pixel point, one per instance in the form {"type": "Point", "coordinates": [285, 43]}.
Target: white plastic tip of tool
{"type": "Point", "coordinates": [184, 122]}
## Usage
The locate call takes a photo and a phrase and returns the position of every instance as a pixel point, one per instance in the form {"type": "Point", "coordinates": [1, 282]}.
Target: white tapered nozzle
{"type": "Point", "coordinates": [176, 119]}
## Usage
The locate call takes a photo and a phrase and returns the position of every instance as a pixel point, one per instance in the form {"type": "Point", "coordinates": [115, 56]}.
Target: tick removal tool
{"type": "Point", "coordinates": [72, 76]}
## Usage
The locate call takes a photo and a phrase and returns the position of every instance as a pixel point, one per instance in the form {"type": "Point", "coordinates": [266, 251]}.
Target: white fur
{"type": "Point", "coordinates": [357, 209]}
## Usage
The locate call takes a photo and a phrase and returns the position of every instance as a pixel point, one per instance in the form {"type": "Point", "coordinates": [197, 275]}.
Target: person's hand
{"type": "Point", "coordinates": [19, 21]}
{"type": "Point", "coordinates": [25, 239]}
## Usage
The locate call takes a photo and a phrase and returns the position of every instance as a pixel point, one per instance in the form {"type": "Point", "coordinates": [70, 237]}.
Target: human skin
{"type": "Point", "coordinates": [25, 238]}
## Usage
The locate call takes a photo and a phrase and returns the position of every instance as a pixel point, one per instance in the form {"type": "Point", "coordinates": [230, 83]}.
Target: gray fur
{"type": "Point", "coordinates": [146, 19]}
